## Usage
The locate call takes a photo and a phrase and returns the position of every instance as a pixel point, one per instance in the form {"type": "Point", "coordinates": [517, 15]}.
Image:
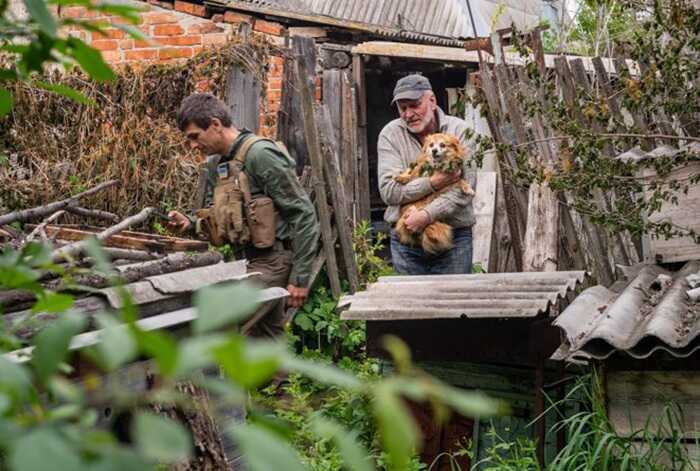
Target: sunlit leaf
{"type": "Point", "coordinates": [159, 346]}
{"type": "Point", "coordinates": [64, 91]}
{"type": "Point", "coordinates": [116, 346]}
{"type": "Point", "coordinates": [249, 368]}
{"type": "Point", "coordinates": [40, 447]}
{"type": "Point", "coordinates": [398, 431]}
{"type": "Point", "coordinates": [326, 374]}
{"type": "Point", "coordinates": [15, 378]}
{"type": "Point", "coordinates": [51, 344]}
{"type": "Point", "coordinates": [161, 439]}
{"type": "Point", "coordinates": [90, 60]}
{"type": "Point", "coordinates": [41, 14]}
{"type": "Point", "coordinates": [263, 450]}
{"type": "Point", "coordinates": [197, 352]}
{"type": "Point", "coordinates": [53, 302]}
{"type": "Point", "coordinates": [355, 457]}
{"type": "Point", "coordinates": [218, 306]}
{"type": "Point", "coordinates": [399, 352]}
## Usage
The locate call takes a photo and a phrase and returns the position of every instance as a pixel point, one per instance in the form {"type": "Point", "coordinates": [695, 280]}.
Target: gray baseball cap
{"type": "Point", "coordinates": [411, 87]}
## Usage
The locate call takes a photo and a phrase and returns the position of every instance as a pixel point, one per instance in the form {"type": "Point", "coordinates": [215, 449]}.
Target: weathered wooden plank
{"type": "Point", "coordinates": [484, 204]}
{"type": "Point", "coordinates": [541, 247]}
{"type": "Point", "coordinates": [243, 98]}
{"type": "Point", "coordinates": [128, 239]}
{"type": "Point", "coordinates": [348, 144]}
{"type": "Point", "coordinates": [363, 190]}
{"type": "Point", "coordinates": [304, 81]}
{"type": "Point", "coordinates": [635, 397]}
{"type": "Point", "coordinates": [503, 257]}
{"type": "Point", "coordinates": [332, 98]}
{"type": "Point", "coordinates": [640, 124]}
{"type": "Point", "coordinates": [336, 184]}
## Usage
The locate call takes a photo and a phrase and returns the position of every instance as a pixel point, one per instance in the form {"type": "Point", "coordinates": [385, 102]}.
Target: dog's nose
{"type": "Point", "coordinates": [435, 152]}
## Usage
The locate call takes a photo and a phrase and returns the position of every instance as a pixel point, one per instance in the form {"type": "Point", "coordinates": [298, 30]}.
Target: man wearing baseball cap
{"type": "Point", "coordinates": [399, 146]}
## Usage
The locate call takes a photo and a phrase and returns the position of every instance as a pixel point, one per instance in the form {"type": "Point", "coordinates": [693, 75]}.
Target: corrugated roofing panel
{"type": "Point", "coordinates": [494, 295]}
{"type": "Point", "coordinates": [653, 312]}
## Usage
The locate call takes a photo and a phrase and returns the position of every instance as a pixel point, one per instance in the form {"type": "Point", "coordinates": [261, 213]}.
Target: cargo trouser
{"type": "Point", "coordinates": [274, 266]}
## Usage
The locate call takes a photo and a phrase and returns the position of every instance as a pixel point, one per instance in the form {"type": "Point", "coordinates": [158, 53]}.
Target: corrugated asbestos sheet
{"type": "Point", "coordinates": [652, 312]}
{"type": "Point", "coordinates": [418, 20]}
{"type": "Point", "coordinates": [487, 295]}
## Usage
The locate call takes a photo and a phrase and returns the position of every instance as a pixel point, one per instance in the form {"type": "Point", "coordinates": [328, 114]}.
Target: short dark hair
{"type": "Point", "coordinates": [200, 108]}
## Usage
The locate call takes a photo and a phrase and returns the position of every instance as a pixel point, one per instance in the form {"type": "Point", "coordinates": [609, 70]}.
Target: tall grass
{"type": "Point", "coordinates": [592, 442]}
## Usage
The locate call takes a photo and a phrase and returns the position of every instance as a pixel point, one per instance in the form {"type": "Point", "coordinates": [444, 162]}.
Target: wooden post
{"type": "Point", "coordinates": [358, 72]}
{"type": "Point", "coordinates": [336, 185]}
{"type": "Point", "coordinates": [348, 145]}
{"type": "Point", "coordinates": [305, 84]}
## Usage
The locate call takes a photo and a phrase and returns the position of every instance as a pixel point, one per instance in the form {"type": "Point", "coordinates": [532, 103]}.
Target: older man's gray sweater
{"type": "Point", "coordinates": [397, 149]}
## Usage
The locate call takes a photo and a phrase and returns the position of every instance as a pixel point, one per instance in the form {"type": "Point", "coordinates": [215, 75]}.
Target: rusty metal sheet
{"type": "Point", "coordinates": [487, 295]}
{"type": "Point", "coordinates": [652, 312]}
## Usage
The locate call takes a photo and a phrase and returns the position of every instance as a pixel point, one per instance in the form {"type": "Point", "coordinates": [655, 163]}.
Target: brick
{"type": "Point", "coordinates": [167, 30]}
{"type": "Point", "coordinates": [277, 60]}
{"type": "Point", "coordinates": [126, 44]}
{"type": "Point", "coordinates": [217, 39]}
{"type": "Point", "coordinates": [141, 54]}
{"type": "Point", "coordinates": [233, 17]}
{"type": "Point", "coordinates": [105, 45]}
{"type": "Point", "coordinates": [162, 4]}
{"type": "Point", "coordinates": [168, 53]}
{"type": "Point", "coordinates": [274, 83]}
{"type": "Point", "coordinates": [112, 56]}
{"type": "Point", "coordinates": [73, 12]}
{"type": "Point", "coordinates": [138, 43]}
{"type": "Point", "coordinates": [196, 50]}
{"type": "Point", "coordinates": [218, 18]}
{"type": "Point", "coordinates": [110, 33]}
{"type": "Point", "coordinates": [159, 17]}
{"type": "Point", "coordinates": [268, 27]}
{"type": "Point", "coordinates": [192, 40]}
{"type": "Point", "coordinates": [118, 20]}
{"type": "Point", "coordinates": [274, 95]}
{"type": "Point", "coordinates": [192, 9]}
{"type": "Point", "coordinates": [205, 28]}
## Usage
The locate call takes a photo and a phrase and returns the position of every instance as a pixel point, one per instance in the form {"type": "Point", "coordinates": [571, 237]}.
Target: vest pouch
{"type": "Point", "coordinates": [228, 213]}
{"type": "Point", "coordinates": [206, 228]}
{"type": "Point", "coordinates": [262, 221]}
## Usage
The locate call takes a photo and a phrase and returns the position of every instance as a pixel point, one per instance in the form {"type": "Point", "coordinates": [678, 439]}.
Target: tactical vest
{"type": "Point", "coordinates": [236, 217]}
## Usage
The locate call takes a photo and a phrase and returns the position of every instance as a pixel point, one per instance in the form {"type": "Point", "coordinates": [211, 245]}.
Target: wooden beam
{"type": "Point", "coordinates": [305, 84]}
{"type": "Point", "coordinates": [360, 96]}
{"type": "Point", "coordinates": [459, 55]}
{"type": "Point", "coordinates": [336, 184]}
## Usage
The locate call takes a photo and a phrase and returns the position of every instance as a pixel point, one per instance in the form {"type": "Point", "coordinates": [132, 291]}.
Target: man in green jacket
{"type": "Point", "coordinates": [206, 122]}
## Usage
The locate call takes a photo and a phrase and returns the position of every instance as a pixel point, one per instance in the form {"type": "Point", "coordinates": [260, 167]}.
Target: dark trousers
{"type": "Point", "coordinates": [408, 260]}
{"type": "Point", "coordinates": [274, 267]}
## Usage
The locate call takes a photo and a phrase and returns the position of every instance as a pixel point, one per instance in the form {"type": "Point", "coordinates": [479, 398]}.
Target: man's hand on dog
{"type": "Point", "coordinates": [178, 222]}
{"type": "Point", "coordinates": [416, 219]}
{"type": "Point", "coordinates": [440, 180]}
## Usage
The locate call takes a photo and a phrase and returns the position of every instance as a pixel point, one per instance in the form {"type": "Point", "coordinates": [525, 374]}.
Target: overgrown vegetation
{"type": "Point", "coordinates": [126, 130]}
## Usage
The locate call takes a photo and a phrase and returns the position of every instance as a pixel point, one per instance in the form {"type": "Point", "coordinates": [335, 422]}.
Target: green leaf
{"type": "Point", "coordinates": [218, 306]}
{"type": "Point", "coordinates": [399, 352]}
{"type": "Point", "coordinates": [41, 447]}
{"type": "Point", "coordinates": [326, 374]}
{"type": "Point", "coordinates": [355, 457]}
{"type": "Point", "coordinates": [51, 344]}
{"type": "Point", "coordinates": [248, 367]}
{"type": "Point", "coordinates": [303, 321]}
{"type": "Point", "coordinates": [399, 433]}
{"type": "Point", "coordinates": [53, 302]}
{"type": "Point", "coordinates": [198, 352]}
{"type": "Point", "coordinates": [117, 459]}
{"type": "Point", "coordinates": [161, 439]}
{"type": "Point", "coordinates": [117, 346]}
{"type": "Point", "coordinates": [15, 378]}
{"type": "Point", "coordinates": [263, 450]}
{"type": "Point", "coordinates": [64, 91]}
{"type": "Point", "coordinates": [90, 60]}
{"type": "Point", "coordinates": [161, 347]}
{"type": "Point", "coordinates": [470, 404]}
{"type": "Point", "coordinates": [102, 263]}
{"type": "Point", "coordinates": [41, 14]}
{"type": "Point", "coordinates": [6, 101]}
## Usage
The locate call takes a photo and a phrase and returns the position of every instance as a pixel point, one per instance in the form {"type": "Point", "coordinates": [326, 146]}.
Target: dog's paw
{"type": "Point", "coordinates": [466, 188]}
{"type": "Point", "coordinates": [402, 179]}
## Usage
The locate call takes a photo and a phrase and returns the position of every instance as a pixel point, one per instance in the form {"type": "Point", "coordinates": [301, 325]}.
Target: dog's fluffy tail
{"type": "Point", "coordinates": [437, 238]}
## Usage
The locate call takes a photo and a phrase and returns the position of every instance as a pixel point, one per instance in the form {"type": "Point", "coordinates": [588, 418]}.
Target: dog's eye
{"type": "Point", "coordinates": [442, 144]}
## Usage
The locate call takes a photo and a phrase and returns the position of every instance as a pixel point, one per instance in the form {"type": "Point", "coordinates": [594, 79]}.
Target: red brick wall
{"type": "Point", "coordinates": [177, 31]}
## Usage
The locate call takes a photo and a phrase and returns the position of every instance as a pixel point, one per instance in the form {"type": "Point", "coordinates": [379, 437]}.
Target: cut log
{"type": "Point", "coordinates": [41, 211]}
{"type": "Point", "coordinates": [73, 249]}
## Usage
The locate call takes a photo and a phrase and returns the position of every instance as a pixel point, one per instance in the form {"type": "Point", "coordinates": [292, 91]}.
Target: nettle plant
{"type": "Point", "coordinates": [43, 407]}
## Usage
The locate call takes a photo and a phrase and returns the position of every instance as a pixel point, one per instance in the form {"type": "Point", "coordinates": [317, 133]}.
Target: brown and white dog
{"type": "Point", "coordinates": [441, 153]}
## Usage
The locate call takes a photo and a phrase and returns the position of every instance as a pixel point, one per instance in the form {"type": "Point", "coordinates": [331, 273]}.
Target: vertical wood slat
{"type": "Point", "coordinates": [305, 84]}
{"type": "Point", "coordinates": [336, 184]}
{"type": "Point", "coordinates": [363, 193]}
{"type": "Point", "coordinates": [623, 72]}
{"type": "Point", "coordinates": [348, 148]}
{"type": "Point", "coordinates": [243, 98]}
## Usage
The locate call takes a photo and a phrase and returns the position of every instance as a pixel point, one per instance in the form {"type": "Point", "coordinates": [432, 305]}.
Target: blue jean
{"type": "Point", "coordinates": [409, 260]}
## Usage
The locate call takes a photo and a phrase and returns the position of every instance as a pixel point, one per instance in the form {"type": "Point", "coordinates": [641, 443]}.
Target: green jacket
{"type": "Point", "coordinates": [272, 173]}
